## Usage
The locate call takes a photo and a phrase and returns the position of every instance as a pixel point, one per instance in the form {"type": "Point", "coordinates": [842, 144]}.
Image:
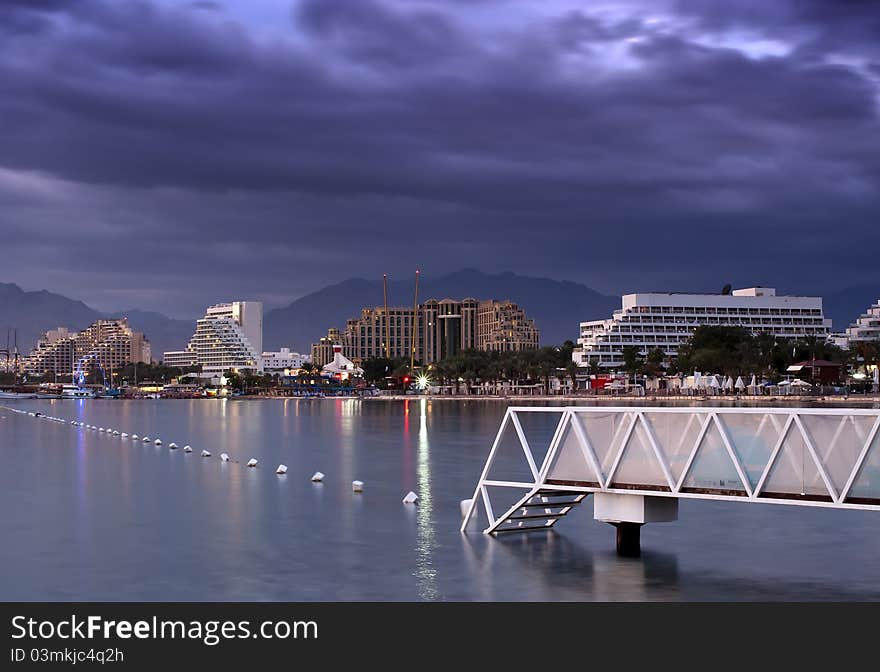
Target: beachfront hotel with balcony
{"type": "Point", "coordinates": [661, 321]}
{"type": "Point", "coordinates": [228, 338]}
{"type": "Point", "coordinates": [866, 327]}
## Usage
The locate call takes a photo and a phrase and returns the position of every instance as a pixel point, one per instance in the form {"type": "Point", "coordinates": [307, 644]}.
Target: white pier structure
{"type": "Point", "coordinates": [638, 461]}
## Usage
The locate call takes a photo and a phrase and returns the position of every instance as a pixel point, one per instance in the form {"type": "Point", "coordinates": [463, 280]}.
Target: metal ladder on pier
{"type": "Point", "coordinates": [538, 510]}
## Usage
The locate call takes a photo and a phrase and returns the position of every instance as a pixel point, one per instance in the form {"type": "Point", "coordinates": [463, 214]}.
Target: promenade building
{"type": "Point", "coordinates": [663, 321]}
{"type": "Point", "coordinates": [435, 330]}
{"type": "Point", "coordinates": [228, 338]}
{"type": "Point", "coordinates": [283, 361]}
{"type": "Point", "coordinates": [866, 327]}
{"type": "Point", "coordinates": [111, 344]}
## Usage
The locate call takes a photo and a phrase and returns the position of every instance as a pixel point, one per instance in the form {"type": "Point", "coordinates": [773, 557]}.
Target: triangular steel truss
{"type": "Point", "coordinates": [700, 456]}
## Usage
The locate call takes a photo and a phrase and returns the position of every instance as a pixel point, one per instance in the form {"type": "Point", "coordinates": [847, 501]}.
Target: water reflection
{"type": "Point", "coordinates": [87, 516]}
{"type": "Point", "coordinates": [425, 572]}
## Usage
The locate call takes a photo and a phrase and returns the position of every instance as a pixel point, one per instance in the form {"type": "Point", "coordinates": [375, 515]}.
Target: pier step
{"type": "Point", "coordinates": [537, 506]}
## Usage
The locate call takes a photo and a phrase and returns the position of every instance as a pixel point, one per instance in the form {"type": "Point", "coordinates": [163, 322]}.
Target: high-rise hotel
{"type": "Point", "coordinates": [665, 321]}
{"type": "Point", "coordinates": [109, 343]}
{"type": "Point", "coordinates": [434, 331]}
{"type": "Point", "coordinates": [228, 338]}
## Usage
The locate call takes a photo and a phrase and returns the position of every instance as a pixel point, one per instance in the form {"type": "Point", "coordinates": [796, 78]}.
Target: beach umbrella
{"type": "Point", "coordinates": [728, 383]}
{"type": "Point", "coordinates": [783, 383]}
{"type": "Point", "coordinates": [739, 384]}
{"type": "Point", "coordinates": [713, 382]}
{"type": "Point", "coordinates": [753, 382]}
{"type": "Point", "coordinates": [800, 383]}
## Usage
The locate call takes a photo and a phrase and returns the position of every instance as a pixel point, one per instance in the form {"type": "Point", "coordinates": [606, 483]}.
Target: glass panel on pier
{"type": "Point", "coordinates": [639, 465]}
{"type": "Point", "coordinates": [569, 463]}
{"type": "Point", "coordinates": [712, 471]}
{"type": "Point", "coordinates": [676, 434]}
{"type": "Point", "coordinates": [866, 487]}
{"type": "Point", "coordinates": [794, 473]}
{"type": "Point", "coordinates": [606, 433]}
{"type": "Point", "coordinates": [753, 437]}
{"type": "Point", "coordinates": [838, 441]}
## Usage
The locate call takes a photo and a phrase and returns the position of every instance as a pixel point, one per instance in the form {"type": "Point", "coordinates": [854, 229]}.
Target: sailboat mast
{"type": "Point", "coordinates": [412, 350]}
{"type": "Point", "coordinates": [387, 321]}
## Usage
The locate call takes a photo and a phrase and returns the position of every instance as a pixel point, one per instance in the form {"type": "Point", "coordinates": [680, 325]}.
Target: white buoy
{"type": "Point", "coordinates": [411, 498]}
{"type": "Point", "coordinates": [187, 449]}
{"type": "Point", "coordinates": [123, 435]}
{"type": "Point", "coordinates": [252, 462]}
{"type": "Point", "coordinates": [146, 439]}
{"type": "Point", "coordinates": [465, 506]}
{"type": "Point", "coordinates": [224, 457]}
{"type": "Point", "coordinates": [134, 437]}
{"type": "Point", "coordinates": [282, 469]}
{"type": "Point", "coordinates": [172, 445]}
{"type": "Point", "coordinates": [73, 422]}
{"type": "Point", "coordinates": [317, 477]}
{"type": "Point", "coordinates": [357, 486]}
{"type": "Point", "coordinates": [158, 442]}
{"type": "Point", "coordinates": [100, 429]}
{"type": "Point", "coordinates": [115, 432]}
{"type": "Point", "coordinates": [205, 453]}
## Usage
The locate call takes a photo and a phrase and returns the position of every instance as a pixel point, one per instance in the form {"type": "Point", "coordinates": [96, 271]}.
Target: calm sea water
{"type": "Point", "coordinates": [86, 516]}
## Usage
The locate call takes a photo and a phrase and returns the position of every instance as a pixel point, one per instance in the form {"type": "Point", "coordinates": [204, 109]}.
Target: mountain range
{"type": "Point", "coordinates": [556, 307]}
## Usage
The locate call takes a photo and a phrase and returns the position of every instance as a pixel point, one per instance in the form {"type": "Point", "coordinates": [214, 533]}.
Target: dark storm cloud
{"type": "Point", "coordinates": [350, 134]}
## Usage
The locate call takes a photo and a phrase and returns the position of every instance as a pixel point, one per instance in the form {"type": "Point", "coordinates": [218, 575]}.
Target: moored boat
{"type": "Point", "coordinates": [75, 392]}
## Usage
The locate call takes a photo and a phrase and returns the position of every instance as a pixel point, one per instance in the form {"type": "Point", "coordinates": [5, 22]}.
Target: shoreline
{"type": "Point", "coordinates": [604, 400]}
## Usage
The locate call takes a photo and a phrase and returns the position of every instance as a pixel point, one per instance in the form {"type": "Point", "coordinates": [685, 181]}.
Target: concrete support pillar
{"type": "Point", "coordinates": [629, 512]}
{"type": "Point", "coordinates": [629, 539]}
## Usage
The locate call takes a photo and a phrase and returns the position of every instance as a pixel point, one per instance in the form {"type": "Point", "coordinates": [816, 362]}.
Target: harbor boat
{"type": "Point", "coordinates": [17, 395]}
{"type": "Point", "coordinates": [75, 392]}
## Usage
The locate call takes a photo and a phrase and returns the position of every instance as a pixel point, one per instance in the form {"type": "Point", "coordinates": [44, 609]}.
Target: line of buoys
{"type": "Point", "coordinates": [318, 477]}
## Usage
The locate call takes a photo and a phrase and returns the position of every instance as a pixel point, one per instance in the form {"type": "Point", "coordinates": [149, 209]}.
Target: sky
{"type": "Point", "coordinates": [167, 155]}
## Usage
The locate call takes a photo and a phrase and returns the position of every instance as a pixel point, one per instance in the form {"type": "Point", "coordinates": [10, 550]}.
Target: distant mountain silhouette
{"type": "Point", "coordinates": [557, 307]}
{"type": "Point", "coordinates": [165, 333]}
{"type": "Point", "coordinates": [32, 313]}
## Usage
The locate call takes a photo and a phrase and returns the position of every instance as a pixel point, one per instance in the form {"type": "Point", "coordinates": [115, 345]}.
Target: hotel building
{"type": "Point", "coordinates": [442, 328]}
{"type": "Point", "coordinates": [283, 361]}
{"type": "Point", "coordinates": [110, 343]}
{"type": "Point", "coordinates": [866, 327]}
{"type": "Point", "coordinates": [665, 321]}
{"type": "Point", "coordinates": [228, 338]}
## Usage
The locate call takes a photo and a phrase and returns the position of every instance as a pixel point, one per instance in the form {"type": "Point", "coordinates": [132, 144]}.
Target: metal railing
{"type": "Point", "coordinates": [810, 457]}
